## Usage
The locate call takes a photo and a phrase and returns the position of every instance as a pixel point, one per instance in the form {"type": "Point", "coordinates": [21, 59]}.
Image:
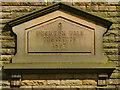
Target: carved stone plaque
{"type": "Point", "coordinates": [60, 35]}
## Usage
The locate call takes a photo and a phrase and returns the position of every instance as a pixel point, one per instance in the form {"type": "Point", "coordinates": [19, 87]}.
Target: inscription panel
{"type": "Point", "coordinates": [61, 36]}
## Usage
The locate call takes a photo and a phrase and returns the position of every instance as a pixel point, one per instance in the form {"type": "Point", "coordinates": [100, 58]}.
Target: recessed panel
{"type": "Point", "coordinates": [60, 35]}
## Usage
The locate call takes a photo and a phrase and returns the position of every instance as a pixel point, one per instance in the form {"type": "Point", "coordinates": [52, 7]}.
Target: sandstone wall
{"type": "Point", "coordinates": [108, 10]}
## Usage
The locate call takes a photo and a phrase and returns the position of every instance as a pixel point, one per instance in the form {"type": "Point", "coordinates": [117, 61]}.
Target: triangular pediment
{"type": "Point", "coordinates": [64, 7]}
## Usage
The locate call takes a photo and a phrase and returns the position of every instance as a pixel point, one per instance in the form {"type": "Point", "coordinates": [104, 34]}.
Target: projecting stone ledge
{"type": "Point", "coordinates": [60, 67]}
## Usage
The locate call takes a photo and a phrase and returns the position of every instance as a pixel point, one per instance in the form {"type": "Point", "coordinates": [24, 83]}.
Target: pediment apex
{"type": "Point", "coordinates": [64, 7]}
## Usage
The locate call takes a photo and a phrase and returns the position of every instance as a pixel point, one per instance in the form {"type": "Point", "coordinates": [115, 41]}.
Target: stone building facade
{"type": "Point", "coordinates": [108, 10]}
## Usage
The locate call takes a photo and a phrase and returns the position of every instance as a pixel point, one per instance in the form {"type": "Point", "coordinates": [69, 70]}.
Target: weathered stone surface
{"type": "Point", "coordinates": [24, 3]}
{"type": "Point", "coordinates": [89, 82]}
{"type": "Point", "coordinates": [111, 39]}
{"type": "Point", "coordinates": [44, 87]}
{"type": "Point", "coordinates": [7, 33]}
{"type": "Point", "coordinates": [111, 8]}
{"type": "Point", "coordinates": [8, 44]}
{"type": "Point", "coordinates": [7, 38]}
{"type": "Point", "coordinates": [111, 51]}
{"type": "Point", "coordinates": [115, 75]}
{"type": "Point", "coordinates": [5, 83]}
{"type": "Point", "coordinates": [63, 88]}
{"type": "Point", "coordinates": [83, 87]}
{"type": "Point", "coordinates": [113, 3]}
{"type": "Point", "coordinates": [116, 32]}
{"type": "Point", "coordinates": [21, 9]}
{"type": "Point", "coordinates": [71, 82]}
{"type": "Point", "coordinates": [7, 51]}
{"type": "Point", "coordinates": [13, 15]}
{"type": "Point", "coordinates": [113, 57]}
{"type": "Point", "coordinates": [81, 7]}
{"type": "Point", "coordinates": [4, 21]}
{"type": "Point", "coordinates": [92, 8]}
{"type": "Point", "coordinates": [53, 82]}
{"type": "Point", "coordinates": [110, 45]}
{"type": "Point", "coordinates": [114, 27]}
{"type": "Point", "coordinates": [113, 14]}
{"type": "Point", "coordinates": [4, 62]}
{"type": "Point", "coordinates": [6, 57]}
{"type": "Point", "coordinates": [77, 3]}
{"type": "Point", "coordinates": [113, 81]}
{"type": "Point", "coordinates": [115, 20]}
{"type": "Point", "coordinates": [103, 8]}
{"type": "Point", "coordinates": [33, 82]}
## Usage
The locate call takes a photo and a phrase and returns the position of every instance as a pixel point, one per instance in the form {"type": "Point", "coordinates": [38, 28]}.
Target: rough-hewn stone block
{"type": "Point", "coordinates": [92, 8]}
{"type": "Point", "coordinates": [115, 75]}
{"type": "Point", "coordinates": [71, 82]}
{"type": "Point", "coordinates": [89, 82]}
{"type": "Point", "coordinates": [113, 3]}
{"type": "Point", "coordinates": [33, 82]}
{"type": "Point", "coordinates": [115, 20]}
{"type": "Point", "coordinates": [6, 57]}
{"type": "Point", "coordinates": [110, 45]}
{"type": "Point", "coordinates": [14, 15]}
{"type": "Point", "coordinates": [103, 8]}
{"type": "Point", "coordinates": [7, 51]}
{"type": "Point", "coordinates": [81, 7]}
{"type": "Point", "coordinates": [113, 57]}
{"type": "Point", "coordinates": [63, 88]}
{"type": "Point", "coordinates": [114, 38]}
{"type": "Point", "coordinates": [3, 21]}
{"type": "Point", "coordinates": [77, 3]}
{"type": "Point", "coordinates": [8, 44]}
{"type": "Point", "coordinates": [115, 32]}
{"type": "Point", "coordinates": [24, 3]}
{"type": "Point", "coordinates": [7, 38]}
{"type": "Point", "coordinates": [113, 81]}
{"type": "Point", "coordinates": [21, 9]}
{"type": "Point", "coordinates": [53, 82]}
{"type": "Point", "coordinates": [111, 8]}
{"type": "Point", "coordinates": [113, 14]}
{"type": "Point", "coordinates": [4, 62]}
{"type": "Point", "coordinates": [5, 83]}
{"type": "Point", "coordinates": [111, 51]}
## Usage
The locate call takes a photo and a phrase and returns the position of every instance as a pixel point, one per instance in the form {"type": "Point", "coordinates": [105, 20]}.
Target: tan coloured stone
{"type": "Point", "coordinates": [103, 8]}
{"type": "Point", "coordinates": [5, 83]}
{"type": "Point", "coordinates": [71, 82]}
{"type": "Point", "coordinates": [62, 88]}
{"type": "Point", "coordinates": [53, 82]}
{"type": "Point", "coordinates": [113, 81]}
{"type": "Point", "coordinates": [89, 82]}
{"type": "Point", "coordinates": [111, 8]}
{"type": "Point", "coordinates": [33, 82]}
{"type": "Point", "coordinates": [6, 57]}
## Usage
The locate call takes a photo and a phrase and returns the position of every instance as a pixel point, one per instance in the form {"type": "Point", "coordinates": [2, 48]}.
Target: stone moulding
{"type": "Point", "coordinates": [63, 59]}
